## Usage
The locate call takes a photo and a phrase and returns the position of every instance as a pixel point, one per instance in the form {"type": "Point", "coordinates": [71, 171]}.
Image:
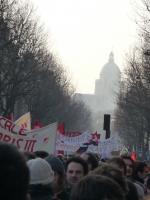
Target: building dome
{"type": "Point", "coordinates": [110, 70]}
{"type": "Point", "coordinates": [109, 80]}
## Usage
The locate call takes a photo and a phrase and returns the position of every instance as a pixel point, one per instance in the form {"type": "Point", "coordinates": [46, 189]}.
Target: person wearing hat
{"type": "Point", "coordinates": [41, 177]}
{"type": "Point", "coordinates": [58, 184]}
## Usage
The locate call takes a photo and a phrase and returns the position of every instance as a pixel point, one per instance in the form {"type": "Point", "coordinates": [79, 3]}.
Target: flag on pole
{"type": "Point", "coordinates": [61, 128]}
{"type": "Point", "coordinates": [24, 121]}
{"type": "Point", "coordinates": [133, 156]}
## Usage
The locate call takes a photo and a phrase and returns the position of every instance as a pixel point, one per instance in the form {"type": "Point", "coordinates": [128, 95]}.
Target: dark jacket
{"type": "Point", "coordinates": [40, 192]}
{"type": "Point", "coordinates": [63, 195]}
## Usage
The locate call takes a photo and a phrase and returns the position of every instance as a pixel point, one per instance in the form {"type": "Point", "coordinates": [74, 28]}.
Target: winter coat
{"type": "Point", "coordinates": [63, 195]}
{"type": "Point", "coordinates": [40, 192]}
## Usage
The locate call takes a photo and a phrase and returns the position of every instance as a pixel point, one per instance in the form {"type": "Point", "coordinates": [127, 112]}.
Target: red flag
{"type": "Point", "coordinates": [95, 138]}
{"type": "Point", "coordinates": [37, 124]}
{"type": "Point", "coordinates": [61, 128]}
{"type": "Point", "coordinates": [133, 156]}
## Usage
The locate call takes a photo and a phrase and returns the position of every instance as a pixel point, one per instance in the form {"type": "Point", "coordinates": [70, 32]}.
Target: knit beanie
{"type": "Point", "coordinates": [56, 164]}
{"type": "Point", "coordinates": [40, 172]}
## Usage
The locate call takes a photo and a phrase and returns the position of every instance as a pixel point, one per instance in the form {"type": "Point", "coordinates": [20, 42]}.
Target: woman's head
{"type": "Point", "coordinates": [95, 187]}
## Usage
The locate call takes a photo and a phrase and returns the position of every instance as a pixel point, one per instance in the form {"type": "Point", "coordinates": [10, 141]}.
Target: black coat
{"type": "Point", "coordinates": [63, 195]}
{"type": "Point", "coordinates": [40, 192]}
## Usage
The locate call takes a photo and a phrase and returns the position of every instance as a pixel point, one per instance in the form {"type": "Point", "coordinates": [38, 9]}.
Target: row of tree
{"type": "Point", "coordinates": [133, 113]}
{"type": "Point", "coordinates": [31, 79]}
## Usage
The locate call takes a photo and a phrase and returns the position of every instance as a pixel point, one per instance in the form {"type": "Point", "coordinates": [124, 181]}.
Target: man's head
{"type": "Point", "coordinates": [14, 173]}
{"type": "Point", "coordinates": [95, 187]}
{"type": "Point", "coordinates": [91, 159]}
{"type": "Point", "coordinates": [113, 172]}
{"type": "Point", "coordinates": [76, 168]}
{"type": "Point", "coordinates": [129, 165]}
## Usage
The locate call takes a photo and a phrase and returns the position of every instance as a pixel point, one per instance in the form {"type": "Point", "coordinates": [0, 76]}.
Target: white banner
{"type": "Point", "coordinates": [106, 147]}
{"type": "Point", "coordinates": [43, 139]}
{"type": "Point", "coordinates": [71, 144]}
{"type": "Point", "coordinates": [67, 147]}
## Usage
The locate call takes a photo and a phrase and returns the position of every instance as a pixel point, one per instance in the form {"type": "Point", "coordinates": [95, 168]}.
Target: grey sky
{"type": "Point", "coordinates": [83, 32]}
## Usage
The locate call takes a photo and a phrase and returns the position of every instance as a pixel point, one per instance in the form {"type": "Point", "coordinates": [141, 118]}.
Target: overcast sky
{"type": "Point", "coordinates": [83, 32]}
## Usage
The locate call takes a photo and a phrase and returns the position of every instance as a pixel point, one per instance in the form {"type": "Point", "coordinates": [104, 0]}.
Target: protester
{"type": "Point", "coordinates": [14, 174]}
{"type": "Point", "coordinates": [129, 166]}
{"type": "Point", "coordinates": [63, 158]}
{"type": "Point", "coordinates": [76, 168]}
{"type": "Point", "coordinates": [58, 184]}
{"type": "Point", "coordinates": [41, 154]}
{"type": "Point", "coordinates": [112, 172]}
{"type": "Point", "coordinates": [129, 174]}
{"type": "Point", "coordinates": [147, 179]}
{"type": "Point", "coordinates": [96, 187]}
{"type": "Point", "coordinates": [139, 174]}
{"type": "Point", "coordinates": [91, 159]}
{"type": "Point", "coordinates": [119, 163]}
{"type": "Point", "coordinates": [132, 191]}
{"type": "Point", "coordinates": [41, 177]}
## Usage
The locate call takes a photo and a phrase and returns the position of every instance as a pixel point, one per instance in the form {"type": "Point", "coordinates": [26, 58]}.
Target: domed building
{"type": "Point", "coordinates": [103, 101]}
{"type": "Point", "coordinates": [107, 86]}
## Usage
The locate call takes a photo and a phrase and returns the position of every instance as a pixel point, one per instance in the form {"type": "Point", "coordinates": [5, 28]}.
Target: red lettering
{"type": "Point", "coordinates": [13, 140]}
{"type": "Point", "coordinates": [2, 122]}
{"type": "Point", "coordinates": [29, 146]}
{"type": "Point", "coordinates": [18, 142]}
{"type": "Point", "coordinates": [13, 129]}
{"type": "Point", "coordinates": [22, 131]}
{"type": "Point", "coordinates": [1, 135]}
{"type": "Point", "coordinates": [33, 144]}
{"type": "Point", "coordinates": [8, 125]}
{"type": "Point", "coordinates": [6, 138]}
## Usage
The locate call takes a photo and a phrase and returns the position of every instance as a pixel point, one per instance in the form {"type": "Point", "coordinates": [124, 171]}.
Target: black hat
{"type": "Point", "coordinates": [56, 164]}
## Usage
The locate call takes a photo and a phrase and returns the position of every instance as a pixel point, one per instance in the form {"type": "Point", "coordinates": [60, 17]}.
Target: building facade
{"type": "Point", "coordinates": [103, 101]}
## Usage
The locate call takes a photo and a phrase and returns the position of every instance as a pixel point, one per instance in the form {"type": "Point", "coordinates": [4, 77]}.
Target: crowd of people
{"type": "Point", "coordinates": [40, 176]}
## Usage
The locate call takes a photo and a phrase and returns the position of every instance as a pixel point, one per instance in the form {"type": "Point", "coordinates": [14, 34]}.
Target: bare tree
{"type": "Point", "coordinates": [132, 116]}
{"type": "Point", "coordinates": [30, 76]}
{"type": "Point", "coordinates": [20, 48]}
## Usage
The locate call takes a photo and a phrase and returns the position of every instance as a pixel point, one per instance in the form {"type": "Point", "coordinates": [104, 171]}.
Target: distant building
{"type": "Point", "coordinates": [103, 101]}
